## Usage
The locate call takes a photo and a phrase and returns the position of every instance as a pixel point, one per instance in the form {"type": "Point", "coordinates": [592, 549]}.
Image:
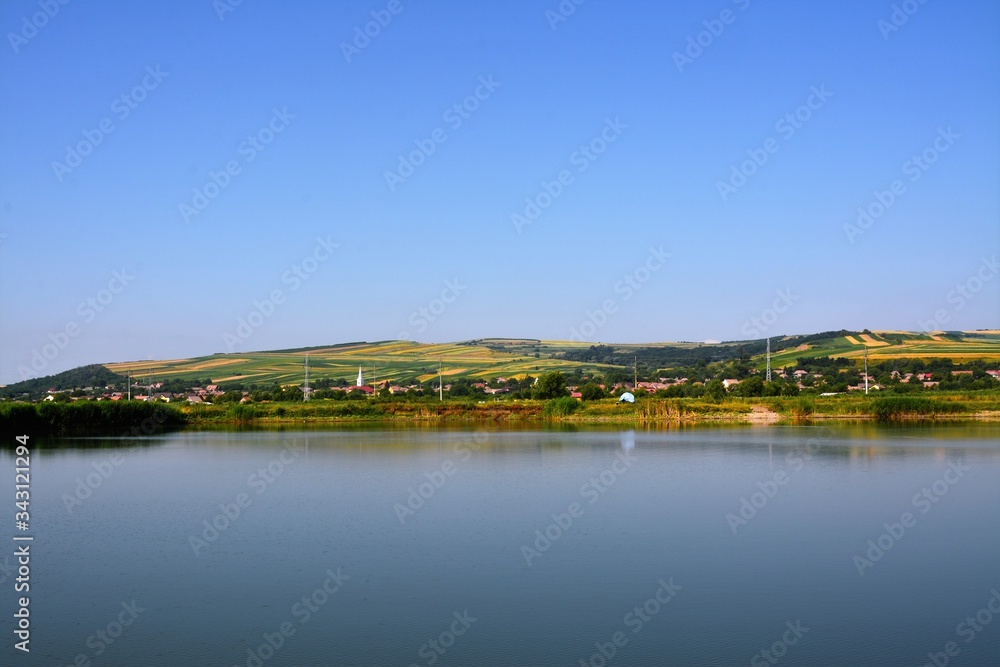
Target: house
{"type": "Point", "coordinates": [367, 390]}
{"type": "Point", "coordinates": [961, 373]}
{"type": "Point", "coordinates": [924, 377]}
{"type": "Point", "coordinates": [194, 398]}
{"type": "Point", "coordinates": [395, 389]}
{"type": "Point", "coordinates": [728, 383]}
{"type": "Point", "coordinates": [928, 385]}
{"type": "Point", "coordinates": [497, 390]}
{"type": "Point", "coordinates": [799, 374]}
{"type": "Point", "coordinates": [575, 394]}
{"type": "Point", "coordinates": [994, 374]}
{"type": "Point", "coordinates": [652, 386]}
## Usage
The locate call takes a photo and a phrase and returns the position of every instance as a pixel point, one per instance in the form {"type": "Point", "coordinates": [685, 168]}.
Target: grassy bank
{"type": "Point", "coordinates": [943, 405]}
{"type": "Point", "coordinates": [136, 418]}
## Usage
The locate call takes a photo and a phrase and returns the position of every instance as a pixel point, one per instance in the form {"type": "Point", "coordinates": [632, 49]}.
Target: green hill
{"type": "Point", "coordinates": [404, 362]}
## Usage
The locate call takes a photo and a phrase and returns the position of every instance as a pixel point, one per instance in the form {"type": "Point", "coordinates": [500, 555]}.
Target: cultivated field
{"type": "Point", "coordinates": [399, 361]}
{"type": "Point", "coordinates": [959, 346]}
{"type": "Point", "coordinates": [404, 361]}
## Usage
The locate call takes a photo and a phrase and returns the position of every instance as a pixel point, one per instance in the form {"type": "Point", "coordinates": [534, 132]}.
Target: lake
{"type": "Point", "coordinates": [842, 545]}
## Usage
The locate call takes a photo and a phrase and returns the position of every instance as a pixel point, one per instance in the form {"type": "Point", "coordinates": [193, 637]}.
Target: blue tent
{"type": "Point", "coordinates": [627, 398]}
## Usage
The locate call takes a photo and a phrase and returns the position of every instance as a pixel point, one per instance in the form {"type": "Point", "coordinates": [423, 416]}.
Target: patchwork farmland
{"type": "Point", "coordinates": [403, 362]}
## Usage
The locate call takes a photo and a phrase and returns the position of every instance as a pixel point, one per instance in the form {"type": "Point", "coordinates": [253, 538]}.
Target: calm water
{"type": "Point", "coordinates": [516, 548]}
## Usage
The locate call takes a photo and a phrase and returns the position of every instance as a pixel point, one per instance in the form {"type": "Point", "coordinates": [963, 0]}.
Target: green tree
{"type": "Point", "coordinates": [752, 386]}
{"type": "Point", "coordinates": [715, 390]}
{"type": "Point", "coordinates": [591, 392]}
{"type": "Point", "coordinates": [551, 385]}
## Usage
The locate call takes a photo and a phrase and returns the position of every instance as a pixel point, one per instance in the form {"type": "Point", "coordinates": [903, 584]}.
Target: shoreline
{"type": "Point", "coordinates": [134, 418]}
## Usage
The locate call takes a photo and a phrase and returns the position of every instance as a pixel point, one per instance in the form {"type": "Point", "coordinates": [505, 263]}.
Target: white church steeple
{"type": "Point", "coordinates": [361, 380]}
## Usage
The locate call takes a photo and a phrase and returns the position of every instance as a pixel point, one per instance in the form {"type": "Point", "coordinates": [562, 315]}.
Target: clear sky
{"type": "Point", "coordinates": [697, 169]}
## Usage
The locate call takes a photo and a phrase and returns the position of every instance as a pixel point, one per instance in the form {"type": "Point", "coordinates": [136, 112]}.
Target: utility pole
{"type": "Point", "coordinates": [635, 369]}
{"type": "Point", "coordinates": [440, 383]}
{"type": "Point", "coordinates": [768, 375]}
{"type": "Point", "coordinates": [305, 389]}
{"type": "Point", "coordinates": [866, 370]}
{"type": "Point", "coordinates": [128, 381]}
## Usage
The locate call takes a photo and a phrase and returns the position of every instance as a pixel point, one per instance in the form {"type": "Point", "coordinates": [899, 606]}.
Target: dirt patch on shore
{"type": "Point", "coordinates": [762, 415]}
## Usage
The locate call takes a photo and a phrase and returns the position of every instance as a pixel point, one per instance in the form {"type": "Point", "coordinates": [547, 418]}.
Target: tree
{"type": "Point", "coordinates": [591, 392]}
{"type": "Point", "coordinates": [752, 386]}
{"type": "Point", "coordinates": [551, 385]}
{"type": "Point", "coordinates": [715, 390]}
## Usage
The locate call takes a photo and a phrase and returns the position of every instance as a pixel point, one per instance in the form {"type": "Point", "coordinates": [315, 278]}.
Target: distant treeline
{"type": "Point", "coordinates": [94, 375]}
{"type": "Point", "coordinates": [666, 356]}
{"type": "Point", "coordinates": [125, 418]}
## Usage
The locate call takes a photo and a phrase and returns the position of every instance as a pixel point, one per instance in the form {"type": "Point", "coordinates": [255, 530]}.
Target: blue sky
{"type": "Point", "coordinates": [202, 85]}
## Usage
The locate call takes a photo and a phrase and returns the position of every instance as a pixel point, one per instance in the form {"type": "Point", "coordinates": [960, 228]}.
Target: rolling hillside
{"type": "Point", "coordinates": [405, 361]}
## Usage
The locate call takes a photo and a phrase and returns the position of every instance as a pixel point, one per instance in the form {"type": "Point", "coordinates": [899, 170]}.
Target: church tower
{"type": "Point", "coordinates": [361, 380]}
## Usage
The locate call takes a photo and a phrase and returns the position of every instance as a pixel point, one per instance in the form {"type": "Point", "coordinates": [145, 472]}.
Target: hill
{"type": "Point", "coordinates": [405, 362]}
{"type": "Point", "coordinates": [94, 375]}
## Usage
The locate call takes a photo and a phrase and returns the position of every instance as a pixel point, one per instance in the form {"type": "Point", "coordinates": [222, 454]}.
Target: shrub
{"type": "Point", "coordinates": [560, 407]}
{"type": "Point", "coordinates": [243, 412]}
{"type": "Point", "coordinates": [886, 408]}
